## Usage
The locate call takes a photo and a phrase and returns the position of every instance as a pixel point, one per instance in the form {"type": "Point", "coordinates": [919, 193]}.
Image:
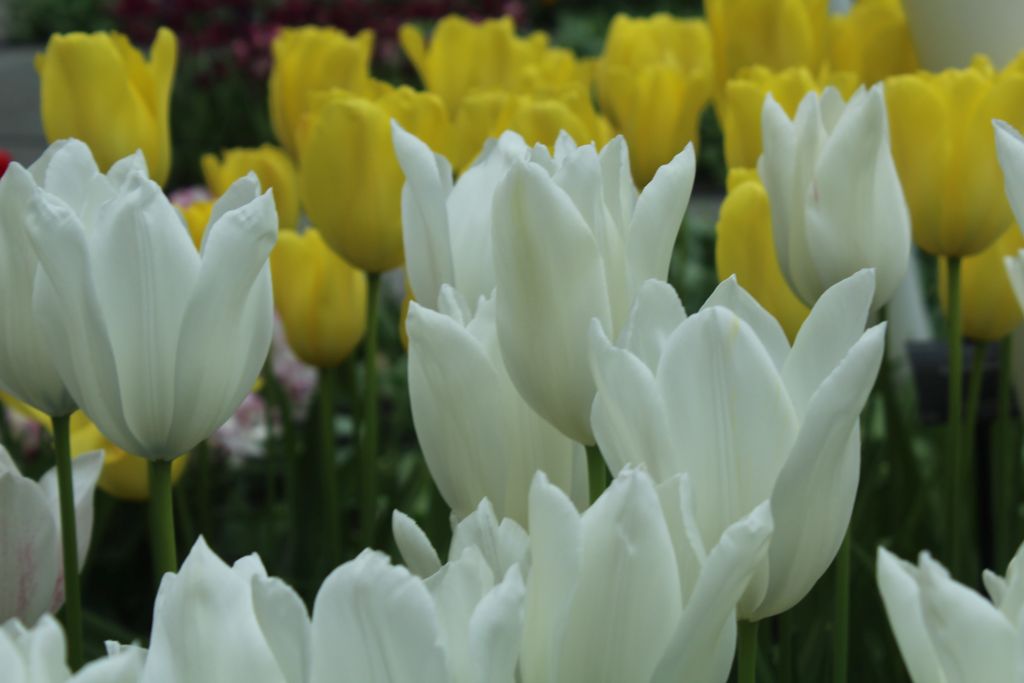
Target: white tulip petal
{"type": "Point", "coordinates": [496, 631]}
{"type": "Point", "coordinates": [282, 617]}
{"type": "Point", "coordinates": [564, 146]}
{"type": "Point", "coordinates": [502, 545]}
{"type": "Point", "coordinates": [1010, 151]}
{"type": "Point", "coordinates": [677, 503]}
{"type": "Point", "coordinates": [550, 285]}
{"type": "Point", "coordinates": [66, 172]}
{"type": "Point", "coordinates": [125, 666]}
{"type": "Point", "coordinates": [655, 314]}
{"type": "Point", "coordinates": [85, 472]}
{"type": "Point", "coordinates": [620, 192]}
{"type": "Point", "coordinates": [123, 169]}
{"type": "Point", "coordinates": [30, 564]}
{"type": "Point", "coordinates": [241, 192]}
{"type": "Point", "coordinates": [375, 622]}
{"type": "Point", "coordinates": [457, 589]}
{"type": "Point", "coordinates": [424, 215]}
{"type": "Point", "coordinates": [417, 551]}
{"type": "Point", "coordinates": [813, 496]}
{"type": "Point", "coordinates": [731, 295]}
{"type": "Point", "coordinates": [1011, 600]}
{"type": "Point", "coordinates": [658, 217]}
{"type": "Point", "coordinates": [835, 324]}
{"type": "Point", "coordinates": [897, 582]}
{"type": "Point", "coordinates": [1015, 271]}
{"type": "Point", "coordinates": [699, 649]}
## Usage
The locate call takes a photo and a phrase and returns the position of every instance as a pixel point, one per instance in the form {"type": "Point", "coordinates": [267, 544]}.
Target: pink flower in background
{"type": "Point", "coordinates": [299, 380]}
{"type": "Point", "coordinates": [187, 196]}
{"type": "Point", "coordinates": [244, 435]}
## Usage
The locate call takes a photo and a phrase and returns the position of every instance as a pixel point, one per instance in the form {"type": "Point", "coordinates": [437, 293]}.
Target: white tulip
{"type": "Point", "coordinates": [31, 565]}
{"type": "Point", "coordinates": [722, 396]}
{"type": "Point", "coordinates": [836, 200]}
{"type": "Point", "coordinates": [948, 33]}
{"type": "Point", "coordinates": [37, 655]}
{"type": "Point", "coordinates": [574, 241]}
{"type": "Point", "coordinates": [446, 226]}
{"type": "Point", "coordinates": [156, 342]}
{"type": "Point", "coordinates": [212, 622]}
{"type": "Point", "coordinates": [948, 632]}
{"type": "Point", "coordinates": [624, 593]}
{"type": "Point", "coordinates": [479, 437]}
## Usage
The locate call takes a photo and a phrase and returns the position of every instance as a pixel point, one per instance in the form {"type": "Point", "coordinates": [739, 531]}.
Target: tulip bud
{"type": "Point", "coordinates": [349, 178]}
{"type": "Point", "coordinates": [836, 200]}
{"type": "Point", "coordinates": [306, 60]}
{"type": "Point", "coordinates": [745, 248]}
{"type": "Point", "coordinates": [98, 88]}
{"type": "Point", "coordinates": [321, 299]}
{"type": "Point", "coordinates": [270, 164]}
{"type": "Point", "coordinates": [872, 40]}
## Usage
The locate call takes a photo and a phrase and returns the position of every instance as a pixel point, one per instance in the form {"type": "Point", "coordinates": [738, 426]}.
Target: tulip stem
{"type": "Point", "coordinates": [746, 652]}
{"type": "Point", "coordinates": [69, 539]}
{"type": "Point", "coordinates": [1004, 469]}
{"type": "Point", "coordinates": [161, 519]}
{"type": "Point", "coordinates": [328, 473]}
{"type": "Point", "coordinates": [840, 633]}
{"type": "Point", "coordinates": [368, 451]}
{"type": "Point", "coordinates": [597, 472]}
{"type": "Point", "coordinates": [954, 436]}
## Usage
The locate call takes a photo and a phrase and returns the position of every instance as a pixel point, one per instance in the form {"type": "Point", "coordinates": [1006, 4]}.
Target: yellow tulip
{"type": "Point", "coordinates": [321, 299]}
{"type": "Point", "coordinates": [774, 33]}
{"type": "Point", "coordinates": [872, 40]}
{"type": "Point", "coordinates": [538, 117]}
{"type": "Point", "coordinates": [740, 107]}
{"type": "Point", "coordinates": [307, 59]}
{"type": "Point", "coordinates": [554, 68]}
{"type": "Point", "coordinates": [98, 88]}
{"type": "Point", "coordinates": [989, 310]}
{"type": "Point", "coordinates": [272, 166]}
{"type": "Point", "coordinates": [745, 248]}
{"type": "Point", "coordinates": [653, 81]}
{"type": "Point", "coordinates": [124, 476]}
{"type": "Point", "coordinates": [944, 147]}
{"type": "Point", "coordinates": [464, 55]}
{"type": "Point", "coordinates": [349, 178]}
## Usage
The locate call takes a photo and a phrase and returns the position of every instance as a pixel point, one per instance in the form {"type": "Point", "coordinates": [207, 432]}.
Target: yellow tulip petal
{"type": "Point", "coordinates": [271, 165]}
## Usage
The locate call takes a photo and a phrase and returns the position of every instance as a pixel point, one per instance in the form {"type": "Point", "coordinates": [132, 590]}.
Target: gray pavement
{"type": "Point", "coordinates": [21, 131]}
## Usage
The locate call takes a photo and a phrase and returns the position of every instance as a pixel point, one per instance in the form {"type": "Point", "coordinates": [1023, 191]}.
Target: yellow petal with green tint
{"type": "Point", "coordinates": [989, 308]}
{"type": "Point", "coordinates": [872, 40]}
{"type": "Point", "coordinates": [320, 297]}
{"type": "Point", "coordinates": [272, 166]}
{"type": "Point", "coordinates": [745, 248]}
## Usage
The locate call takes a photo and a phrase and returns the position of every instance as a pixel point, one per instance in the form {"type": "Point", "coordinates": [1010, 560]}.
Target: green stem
{"type": "Point", "coordinates": [370, 426]}
{"type": "Point", "coordinates": [747, 651]}
{"type": "Point", "coordinates": [967, 454]}
{"type": "Point", "coordinates": [161, 519]}
{"type": "Point", "coordinates": [954, 435]}
{"type": "Point", "coordinates": [1003, 469]}
{"type": "Point", "coordinates": [597, 472]}
{"type": "Point", "coordinates": [69, 539]}
{"type": "Point", "coordinates": [328, 473]}
{"type": "Point", "coordinates": [840, 634]}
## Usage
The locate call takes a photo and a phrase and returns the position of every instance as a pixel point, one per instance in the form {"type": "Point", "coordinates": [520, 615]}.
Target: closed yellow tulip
{"type": "Point", "coordinates": [538, 117]}
{"type": "Point", "coordinates": [270, 164]}
{"type": "Point", "coordinates": [555, 67]}
{"type": "Point", "coordinates": [654, 80]}
{"type": "Point", "coordinates": [745, 248]}
{"type": "Point", "coordinates": [98, 88]}
{"type": "Point", "coordinates": [944, 147]}
{"type": "Point", "coordinates": [349, 178]}
{"type": "Point", "coordinates": [321, 299]}
{"type": "Point", "coordinates": [307, 59]}
{"type": "Point", "coordinates": [124, 476]}
{"type": "Point", "coordinates": [774, 33]}
{"type": "Point", "coordinates": [872, 40]}
{"type": "Point", "coordinates": [989, 309]}
{"type": "Point", "coordinates": [464, 55]}
{"type": "Point", "coordinates": [740, 107]}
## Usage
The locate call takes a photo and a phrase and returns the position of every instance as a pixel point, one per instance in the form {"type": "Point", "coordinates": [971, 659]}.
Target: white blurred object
{"type": "Point", "coordinates": [947, 33]}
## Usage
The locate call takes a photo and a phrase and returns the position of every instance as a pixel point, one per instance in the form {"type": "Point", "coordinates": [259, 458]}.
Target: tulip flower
{"type": "Point", "coordinates": [479, 437]}
{"type": "Point", "coordinates": [271, 165]}
{"type": "Point", "coordinates": [872, 40]}
{"type": "Point", "coordinates": [36, 655]}
{"type": "Point", "coordinates": [744, 247]}
{"type": "Point", "coordinates": [306, 60]}
{"type": "Point", "coordinates": [989, 309]}
{"type": "Point", "coordinates": [945, 630]}
{"type": "Point", "coordinates": [1010, 148]}
{"type": "Point", "coordinates": [722, 396]}
{"type": "Point", "coordinates": [656, 612]}
{"type": "Point", "coordinates": [574, 241]}
{"type": "Point", "coordinates": [162, 354]}
{"type": "Point", "coordinates": [954, 213]}
{"type": "Point", "coordinates": [740, 106]}
{"type": "Point", "coordinates": [948, 33]}
{"type": "Point", "coordinates": [539, 117]}
{"type": "Point", "coordinates": [31, 571]}
{"type": "Point", "coordinates": [837, 204]}
{"type": "Point", "coordinates": [98, 88]}
{"type": "Point", "coordinates": [464, 55]}
{"type": "Point", "coordinates": [321, 299]}
{"type": "Point", "coordinates": [349, 178]}
{"type": "Point", "coordinates": [774, 33]}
